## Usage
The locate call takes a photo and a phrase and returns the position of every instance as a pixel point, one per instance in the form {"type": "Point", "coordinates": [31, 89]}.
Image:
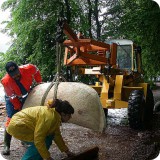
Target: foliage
{"type": "Point", "coordinates": [33, 27]}
{"type": "Point", "coordinates": [140, 22]}
{"type": "Point", "coordinates": [2, 72]}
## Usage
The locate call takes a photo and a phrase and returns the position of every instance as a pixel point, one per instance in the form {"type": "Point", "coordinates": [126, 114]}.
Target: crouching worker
{"type": "Point", "coordinates": [38, 126]}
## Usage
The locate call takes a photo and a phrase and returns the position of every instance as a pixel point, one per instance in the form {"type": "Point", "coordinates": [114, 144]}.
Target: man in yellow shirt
{"type": "Point", "coordinates": [40, 125]}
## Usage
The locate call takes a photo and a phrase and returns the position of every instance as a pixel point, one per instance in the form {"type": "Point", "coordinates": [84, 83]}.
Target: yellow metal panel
{"type": "Point", "coordinates": [105, 88]}
{"type": "Point", "coordinates": [132, 88]}
{"type": "Point", "coordinates": [103, 102]}
{"type": "Point", "coordinates": [104, 92]}
{"type": "Point", "coordinates": [118, 87]}
{"type": "Point", "coordinates": [110, 103]}
{"type": "Point", "coordinates": [145, 86]}
{"type": "Point", "coordinates": [116, 104]}
{"type": "Point", "coordinates": [121, 104]}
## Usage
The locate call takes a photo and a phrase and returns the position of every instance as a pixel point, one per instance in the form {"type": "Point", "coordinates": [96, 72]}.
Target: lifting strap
{"type": "Point", "coordinates": [59, 42]}
{"type": "Point", "coordinates": [57, 77]}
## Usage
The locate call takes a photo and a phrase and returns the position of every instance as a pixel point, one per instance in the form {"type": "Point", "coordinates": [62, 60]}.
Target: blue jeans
{"type": "Point", "coordinates": [32, 152]}
{"type": "Point", "coordinates": [10, 108]}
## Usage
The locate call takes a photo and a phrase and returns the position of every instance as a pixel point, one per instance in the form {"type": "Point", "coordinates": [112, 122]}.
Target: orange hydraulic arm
{"type": "Point", "coordinates": [81, 51]}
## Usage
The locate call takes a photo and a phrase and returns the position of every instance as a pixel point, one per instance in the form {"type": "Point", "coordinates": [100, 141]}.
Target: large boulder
{"type": "Point", "coordinates": [85, 100]}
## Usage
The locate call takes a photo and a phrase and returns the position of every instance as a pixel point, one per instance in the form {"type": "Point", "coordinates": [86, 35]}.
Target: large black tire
{"type": "Point", "coordinates": [136, 105]}
{"type": "Point", "coordinates": [148, 110]}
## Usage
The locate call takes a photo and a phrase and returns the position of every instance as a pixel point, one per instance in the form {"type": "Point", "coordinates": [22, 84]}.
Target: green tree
{"type": "Point", "coordinates": [33, 27]}
{"type": "Point", "coordinates": [2, 70]}
{"type": "Point", "coordinates": [140, 22]}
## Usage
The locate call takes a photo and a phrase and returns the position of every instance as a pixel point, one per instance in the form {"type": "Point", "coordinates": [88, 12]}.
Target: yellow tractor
{"type": "Point", "coordinates": [117, 67]}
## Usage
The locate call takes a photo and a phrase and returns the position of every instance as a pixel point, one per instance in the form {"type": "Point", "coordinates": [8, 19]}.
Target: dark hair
{"type": "Point", "coordinates": [62, 106]}
{"type": "Point", "coordinates": [12, 68]}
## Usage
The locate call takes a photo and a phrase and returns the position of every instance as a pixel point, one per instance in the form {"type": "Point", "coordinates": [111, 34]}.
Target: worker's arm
{"type": "Point", "coordinates": [59, 140]}
{"type": "Point", "coordinates": [37, 75]}
{"type": "Point", "coordinates": [40, 133]}
{"type": "Point", "coordinates": [32, 69]}
{"type": "Point", "coordinates": [10, 94]}
{"type": "Point", "coordinates": [61, 144]}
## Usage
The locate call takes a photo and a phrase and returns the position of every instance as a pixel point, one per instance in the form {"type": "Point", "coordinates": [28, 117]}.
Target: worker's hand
{"type": "Point", "coordinates": [69, 153]}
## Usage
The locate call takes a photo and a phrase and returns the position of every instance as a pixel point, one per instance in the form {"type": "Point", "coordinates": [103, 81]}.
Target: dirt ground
{"type": "Point", "coordinates": [118, 142]}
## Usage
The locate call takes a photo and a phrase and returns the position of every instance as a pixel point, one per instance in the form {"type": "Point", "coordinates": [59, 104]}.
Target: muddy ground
{"type": "Point", "coordinates": [118, 142]}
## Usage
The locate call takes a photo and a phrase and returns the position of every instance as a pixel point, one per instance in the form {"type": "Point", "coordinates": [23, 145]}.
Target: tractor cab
{"type": "Point", "coordinates": [124, 53]}
{"type": "Point", "coordinates": [128, 55]}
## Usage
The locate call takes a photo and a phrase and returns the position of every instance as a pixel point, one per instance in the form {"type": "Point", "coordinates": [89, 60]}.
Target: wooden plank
{"type": "Point", "coordinates": [96, 45]}
{"type": "Point", "coordinates": [94, 57]}
{"type": "Point", "coordinates": [68, 31]}
{"type": "Point", "coordinates": [89, 154]}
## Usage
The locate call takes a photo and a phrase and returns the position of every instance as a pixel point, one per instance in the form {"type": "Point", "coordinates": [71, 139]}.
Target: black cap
{"type": "Point", "coordinates": [12, 68]}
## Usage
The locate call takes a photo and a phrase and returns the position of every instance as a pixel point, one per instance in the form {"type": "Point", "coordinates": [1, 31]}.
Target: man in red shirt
{"type": "Point", "coordinates": [17, 84]}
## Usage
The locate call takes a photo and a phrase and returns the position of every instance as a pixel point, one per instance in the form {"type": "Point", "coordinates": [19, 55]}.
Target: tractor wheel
{"type": "Point", "coordinates": [136, 105]}
{"type": "Point", "coordinates": [148, 110]}
{"type": "Point", "coordinates": [157, 107]}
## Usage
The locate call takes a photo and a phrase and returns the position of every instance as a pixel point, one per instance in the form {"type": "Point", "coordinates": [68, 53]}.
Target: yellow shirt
{"type": "Point", "coordinates": [34, 124]}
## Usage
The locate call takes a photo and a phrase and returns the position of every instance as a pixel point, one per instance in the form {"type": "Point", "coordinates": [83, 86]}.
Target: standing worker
{"type": "Point", "coordinates": [38, 126]}
{"type": "Point", "coordinates": [17, 84]}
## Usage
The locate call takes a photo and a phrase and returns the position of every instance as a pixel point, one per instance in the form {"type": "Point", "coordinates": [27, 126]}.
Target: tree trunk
{"type": "Point", "coordinates": [68, 11]}
{"type": "Point", "coordinates": [97, 20]}
{"type": "Point", "coordinates": [89, 18]}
